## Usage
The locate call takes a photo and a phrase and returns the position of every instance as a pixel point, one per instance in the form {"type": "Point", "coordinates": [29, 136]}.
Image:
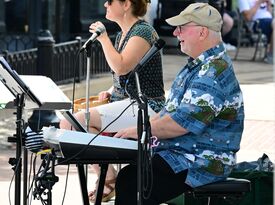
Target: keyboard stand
{"type": "Point", "coordinates": [103, 171]}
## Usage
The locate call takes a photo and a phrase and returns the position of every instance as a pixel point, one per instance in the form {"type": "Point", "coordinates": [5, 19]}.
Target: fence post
{"type": "Point", "coordinates": [80, 60]}
{"type": "Point", "coordinates": [2, 17]}
{"type": "Point", "coordinates": [45, 44]}
{"type": "Point", "coordinates": [45, 55]}
{"type": "Point", "coordinates": [5, 54]}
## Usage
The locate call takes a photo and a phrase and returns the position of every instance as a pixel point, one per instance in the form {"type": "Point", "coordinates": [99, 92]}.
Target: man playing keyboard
{"type": "Point", "coordinates": [199, 130]}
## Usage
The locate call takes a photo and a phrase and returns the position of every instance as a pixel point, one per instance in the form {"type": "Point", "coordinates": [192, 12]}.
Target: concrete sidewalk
{"type": "Point", "coordinates": [257, 83]}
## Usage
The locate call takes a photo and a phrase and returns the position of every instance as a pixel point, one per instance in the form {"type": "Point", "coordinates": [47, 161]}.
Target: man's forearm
{"type": "Point", "coordinates": [166, 127]}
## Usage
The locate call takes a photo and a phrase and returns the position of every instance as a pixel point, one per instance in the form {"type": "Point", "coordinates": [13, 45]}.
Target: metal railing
{"type": "Point", "coordinates": [24, 62]}
{"type": "Point", "coordinates": [61, 62]}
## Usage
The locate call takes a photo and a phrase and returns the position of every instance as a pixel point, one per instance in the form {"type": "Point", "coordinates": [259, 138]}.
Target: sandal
{"type": "Point", "coordinates": [105, 196]}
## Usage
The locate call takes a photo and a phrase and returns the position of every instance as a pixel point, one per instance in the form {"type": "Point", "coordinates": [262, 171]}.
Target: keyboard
{"type": "Point", "coordinates": [88, 146]}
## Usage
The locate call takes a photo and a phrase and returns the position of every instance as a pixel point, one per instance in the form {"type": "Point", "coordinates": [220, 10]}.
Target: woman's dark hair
{"type": "Point", "coordinates": [139, 7]}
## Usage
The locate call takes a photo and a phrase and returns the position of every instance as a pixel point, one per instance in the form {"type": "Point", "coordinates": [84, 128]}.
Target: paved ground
{"type": "Point", "coordinates": [257, 83]}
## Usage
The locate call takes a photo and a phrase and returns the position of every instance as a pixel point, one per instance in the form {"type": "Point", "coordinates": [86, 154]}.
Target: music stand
{"type": "Point", "coordinates": [27, 95]}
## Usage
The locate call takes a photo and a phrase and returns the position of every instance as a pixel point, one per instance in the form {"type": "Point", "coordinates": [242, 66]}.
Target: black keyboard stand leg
{"type": "Point", "coordinates": [101, 182]}
{"type": "Point", "coordinates": [83, 184]}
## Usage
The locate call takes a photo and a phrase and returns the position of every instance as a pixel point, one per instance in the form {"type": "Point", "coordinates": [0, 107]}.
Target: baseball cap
{"type": "Point", "coordinates": [200, 13]}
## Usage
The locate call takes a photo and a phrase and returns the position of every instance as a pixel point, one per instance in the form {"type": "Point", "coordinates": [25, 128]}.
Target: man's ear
{"type": "Point", "coordinates": [204, 33]}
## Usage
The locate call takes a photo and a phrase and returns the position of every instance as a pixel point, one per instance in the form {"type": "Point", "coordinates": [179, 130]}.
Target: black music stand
{"type": "Point", "coordinates": [25, 97]}
{"type": "Point", "coordinates": [21, 92]}
{"type": "Point", "coordinates": [30, 96]}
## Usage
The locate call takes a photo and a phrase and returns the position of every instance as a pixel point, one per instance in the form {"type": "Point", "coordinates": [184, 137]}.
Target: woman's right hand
{"type": "Point", "coordinates": [103, 95]}
{"type": "Point", "coordinates": [98, 26]}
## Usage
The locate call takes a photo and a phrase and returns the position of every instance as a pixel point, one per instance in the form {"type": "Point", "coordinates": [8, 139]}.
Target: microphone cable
{"type": "Point", "coordinates": [32, 168]}
{"type": "Point", "coordinates": [32, 143]}
{"type": "Point", "coordinates": [37, 193]}
{"type": "Point", "coordinates": [66, 184]}
{"type": "Point", "coordinates": [30, 183]}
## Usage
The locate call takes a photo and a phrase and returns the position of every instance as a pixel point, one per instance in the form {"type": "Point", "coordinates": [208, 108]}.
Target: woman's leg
{"type": "Point", "coordinates": [107, 117]}
{"type": "Point", "coordinates": [95, 127]}
{"type": "Point", "coordinates": [166, 184]}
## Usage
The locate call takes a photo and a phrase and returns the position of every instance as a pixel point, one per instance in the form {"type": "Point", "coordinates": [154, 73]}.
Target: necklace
{"type": "Point", "coordinates": [123, 36]}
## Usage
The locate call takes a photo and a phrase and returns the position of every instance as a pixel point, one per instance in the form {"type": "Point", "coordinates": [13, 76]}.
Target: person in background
{"type": "Point", "coordinates": [199, 130]}
{"type": "Point", "coordinates": [228, 23]}
{"type": "Point", "coordinates": [261, 11]}
{"type": "Point", "coordinates": [132, 42]}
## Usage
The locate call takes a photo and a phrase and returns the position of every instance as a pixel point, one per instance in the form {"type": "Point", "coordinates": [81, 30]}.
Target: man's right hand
{"type": "Point", "coordinates": [103, 95]}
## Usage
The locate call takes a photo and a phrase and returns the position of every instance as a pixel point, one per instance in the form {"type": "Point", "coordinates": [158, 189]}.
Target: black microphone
{"type": "Point", "coordinates": [156, 47]}
{"type": "Point", "coordinates": [97, 33]}
{"type": "Point", "coordinates": [33, 140]}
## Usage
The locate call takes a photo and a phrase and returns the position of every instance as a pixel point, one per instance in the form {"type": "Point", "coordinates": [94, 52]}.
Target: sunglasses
{"type": "Point", "coordinates": [109, 2]}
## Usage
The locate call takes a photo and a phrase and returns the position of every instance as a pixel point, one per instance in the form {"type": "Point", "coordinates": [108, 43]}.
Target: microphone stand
{"type": "Point", "coordinates": [87, 96]}
{"type": "Point", "coordinates": [103, 167]}
{"type": "Point", "coordinates": [87, 93]}
{"type": "Point", "coordinates": [144, 136]}
{"type": "Point", "coordinates": [17, 162]}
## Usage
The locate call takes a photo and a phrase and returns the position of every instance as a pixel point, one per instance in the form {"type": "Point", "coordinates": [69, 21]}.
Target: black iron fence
{"type": "Point", "coordinates": [61, 62]}
{"type": "Point", "coordinates": [24, 62]}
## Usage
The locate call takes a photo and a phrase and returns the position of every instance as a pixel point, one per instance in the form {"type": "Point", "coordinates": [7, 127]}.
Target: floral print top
{"type": "Point", "coordinates": [205, 98]}
{"type": "Point", "coordinates": [150, 75]}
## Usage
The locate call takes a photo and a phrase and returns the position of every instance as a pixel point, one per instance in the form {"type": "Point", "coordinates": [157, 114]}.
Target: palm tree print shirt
{"type": "Point", "coordinates": [205, 98]}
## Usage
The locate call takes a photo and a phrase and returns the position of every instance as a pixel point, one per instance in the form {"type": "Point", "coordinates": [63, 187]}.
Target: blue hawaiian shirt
{"type": "Point", "coordinates": [205, 98]}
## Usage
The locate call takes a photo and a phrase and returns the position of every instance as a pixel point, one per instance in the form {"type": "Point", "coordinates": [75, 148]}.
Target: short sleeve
{"type": "Point", "coordinates": [145, 31]}
{"type": "Point", "coordinates": [243, 5]}
{"type": "Point", "coordinates": [199, 106]}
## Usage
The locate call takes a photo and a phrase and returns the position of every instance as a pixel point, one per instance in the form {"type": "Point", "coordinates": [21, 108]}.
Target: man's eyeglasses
{"type": "Point", "coordinates": [181, 27]}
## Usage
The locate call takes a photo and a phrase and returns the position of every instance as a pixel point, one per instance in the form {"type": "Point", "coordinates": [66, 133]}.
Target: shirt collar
{"type": "Point", "coordinates": [210, 53]}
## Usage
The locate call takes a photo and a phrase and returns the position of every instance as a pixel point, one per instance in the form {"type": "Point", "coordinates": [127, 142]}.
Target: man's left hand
{"type": "Point", "coordinates": [127, 133]}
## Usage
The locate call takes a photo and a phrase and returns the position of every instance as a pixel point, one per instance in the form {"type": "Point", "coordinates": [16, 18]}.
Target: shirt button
{"type": "Point", "coordinates": [228, 141]}
{"type": "Point", "coordinates": [211, 139]}
{"type": "Point", "coordinates": [177, 144]}
{"type": "Point", "coordinates": [162, 144]}
{"type": "Point", "coordinates": [194, 145]}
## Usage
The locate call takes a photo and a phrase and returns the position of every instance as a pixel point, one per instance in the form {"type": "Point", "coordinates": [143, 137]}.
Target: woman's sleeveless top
{"type": "Point", "coordinates": [150, 75]}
